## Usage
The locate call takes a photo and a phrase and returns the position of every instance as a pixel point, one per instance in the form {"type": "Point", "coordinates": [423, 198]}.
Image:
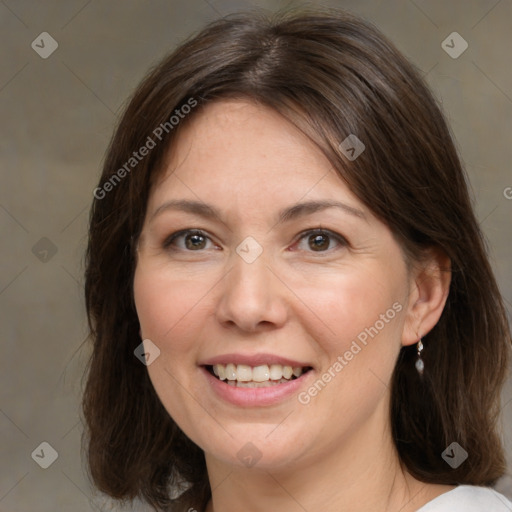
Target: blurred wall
{"type": "Point", "coordinates": [57, 114]}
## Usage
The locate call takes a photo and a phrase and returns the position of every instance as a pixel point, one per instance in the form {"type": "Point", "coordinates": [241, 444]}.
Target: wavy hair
{"type": "Point", "coordinates": [332, 75]}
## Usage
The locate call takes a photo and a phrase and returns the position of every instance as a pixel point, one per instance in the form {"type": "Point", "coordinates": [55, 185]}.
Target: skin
{"type": "Point", "coordinates": [295, 300]}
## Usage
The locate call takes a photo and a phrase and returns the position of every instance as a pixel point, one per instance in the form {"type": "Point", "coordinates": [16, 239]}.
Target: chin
{"type": "Point", "coordinates": [252, 446]}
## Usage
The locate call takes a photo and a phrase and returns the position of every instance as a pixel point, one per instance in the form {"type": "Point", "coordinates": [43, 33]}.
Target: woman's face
{"type": "Point", "coordinates": [274, 281]}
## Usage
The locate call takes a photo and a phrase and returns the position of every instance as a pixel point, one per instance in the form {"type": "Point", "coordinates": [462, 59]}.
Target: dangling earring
{"type": "Point", "coordinates": [420, 365]}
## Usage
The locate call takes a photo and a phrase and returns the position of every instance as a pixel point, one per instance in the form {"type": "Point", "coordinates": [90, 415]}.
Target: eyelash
{"type": "Point", "coordinates": [168, 243]}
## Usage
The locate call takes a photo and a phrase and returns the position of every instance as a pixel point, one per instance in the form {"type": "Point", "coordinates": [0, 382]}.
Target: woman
{"type": "Point", "coordinates": [289, 296]}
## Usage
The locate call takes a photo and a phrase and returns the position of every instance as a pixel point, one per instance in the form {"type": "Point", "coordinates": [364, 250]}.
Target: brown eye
{"type": "Point", "coordinates": [320, 240]}
{"type": "Point", "coordinates": [187, 240]}
{"type": "Point", "coordinates": [195, 241]}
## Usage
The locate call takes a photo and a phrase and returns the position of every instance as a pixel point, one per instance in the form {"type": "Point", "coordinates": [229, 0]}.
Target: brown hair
{"type": "Point", "coordinates": [332, 75]}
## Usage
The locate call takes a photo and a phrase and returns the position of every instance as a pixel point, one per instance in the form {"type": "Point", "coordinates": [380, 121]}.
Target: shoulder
{"type": "Point", "coordinates": [469, 498]}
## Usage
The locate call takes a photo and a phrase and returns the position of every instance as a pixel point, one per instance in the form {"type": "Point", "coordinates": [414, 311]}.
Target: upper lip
{"type": "Point", "coordinates": [253, 360]}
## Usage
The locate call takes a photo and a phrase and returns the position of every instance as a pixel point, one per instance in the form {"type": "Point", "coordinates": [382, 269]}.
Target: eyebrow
{"type": "Point", "coordinates": [286, 215]}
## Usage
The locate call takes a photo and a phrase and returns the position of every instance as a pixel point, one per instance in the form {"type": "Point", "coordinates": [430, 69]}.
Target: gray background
{"type": "Point", "coordinates": [57, 117]}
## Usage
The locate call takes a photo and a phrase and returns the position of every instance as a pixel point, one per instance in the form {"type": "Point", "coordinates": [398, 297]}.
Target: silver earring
{"type": "Point", "coordinates": [420, 365]}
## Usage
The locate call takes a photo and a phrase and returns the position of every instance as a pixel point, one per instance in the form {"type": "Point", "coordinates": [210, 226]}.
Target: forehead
{"type": "Point", "coordinates": [247, 153]}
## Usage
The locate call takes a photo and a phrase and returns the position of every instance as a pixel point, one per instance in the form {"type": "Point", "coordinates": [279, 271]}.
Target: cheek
{"type": "Point", "coordinates": [359, 304]}
{"type": "Point", "coordinates": [166, 306]}
{"type": "Point", "coordinates": [167, 309]}
{"type": "Point", "coordinates": [357, 327]}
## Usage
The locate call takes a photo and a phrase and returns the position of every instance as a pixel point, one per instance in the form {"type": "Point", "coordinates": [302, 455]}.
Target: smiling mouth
{"type": "Point", "coordinates": [245, 376]}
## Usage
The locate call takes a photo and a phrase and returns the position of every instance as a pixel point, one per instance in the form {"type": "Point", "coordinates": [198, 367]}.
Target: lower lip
{"type": "Point", "coordinates": [255, 397]}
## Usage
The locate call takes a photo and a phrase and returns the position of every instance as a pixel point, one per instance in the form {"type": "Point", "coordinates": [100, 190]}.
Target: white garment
{"type": "Point", "coordinates": [469, 498]}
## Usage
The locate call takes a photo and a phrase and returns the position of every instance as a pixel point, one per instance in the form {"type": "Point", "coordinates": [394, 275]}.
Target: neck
{"type": "Point", "coordinates": [360, 473]}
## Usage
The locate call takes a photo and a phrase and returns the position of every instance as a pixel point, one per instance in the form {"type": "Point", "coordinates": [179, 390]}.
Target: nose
{"type": "Point", "coordinates": [252, 298]}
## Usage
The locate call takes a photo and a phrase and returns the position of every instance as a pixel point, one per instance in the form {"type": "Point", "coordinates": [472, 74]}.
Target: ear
{"type": "Point", "coordinates": [428, 290]}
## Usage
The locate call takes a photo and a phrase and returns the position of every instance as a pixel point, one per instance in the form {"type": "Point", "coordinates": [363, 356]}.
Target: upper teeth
{"type": "Point", "coordinates": [265, 372]}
